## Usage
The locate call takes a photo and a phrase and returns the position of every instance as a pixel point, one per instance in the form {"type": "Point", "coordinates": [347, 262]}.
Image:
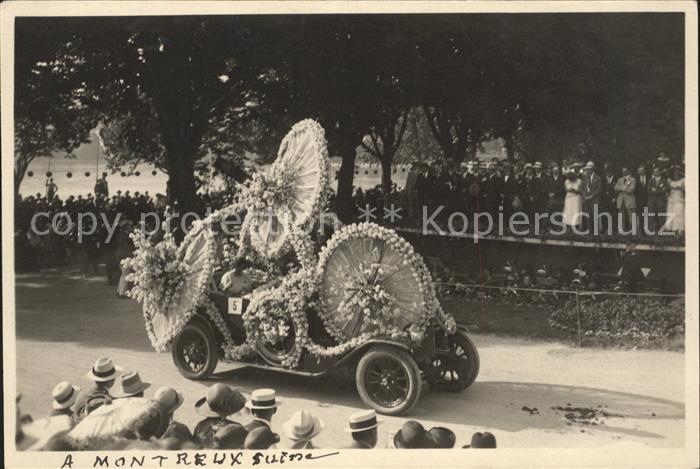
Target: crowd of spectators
{"type": "Point", "coordinates": [577, 191]}
{"type": "Point", "coordinates": [115, 413]}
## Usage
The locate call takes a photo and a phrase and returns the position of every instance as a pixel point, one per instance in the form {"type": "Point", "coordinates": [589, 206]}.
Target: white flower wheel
{"type": "Point", "coordinates": [301, 170]}
{"type": "Point", "coordinates": [368, 261]}
{"type": "Point", "coordinates": [198, 253]}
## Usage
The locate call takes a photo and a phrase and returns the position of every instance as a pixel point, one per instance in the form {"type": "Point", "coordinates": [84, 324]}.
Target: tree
{"type": "Point", "coordinates": [49, 113]}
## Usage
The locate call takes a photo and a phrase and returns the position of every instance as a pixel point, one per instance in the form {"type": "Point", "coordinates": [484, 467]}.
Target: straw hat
{"type": "Point", "coordinates": [262, 399]}
{"type": "Point", "coordinates": [103, 370]}
{"type": "Point", "coordinates": [361, 421]}
{"type": "Point", "coordinates": [64, 395]}
{"type": "Point", "coordinates": [129, 384]}
{"type": "Point", "coordinates": [302, 426]}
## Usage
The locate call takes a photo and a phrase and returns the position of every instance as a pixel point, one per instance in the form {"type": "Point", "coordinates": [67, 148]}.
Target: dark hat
{"type": "Point", "coordinates": [413, 435]}
{"type": "Point", "coordinates": [220, 401]}
{"type": "Point", "coordinates": [443, 437]}
{"type": "Point", "coordinates": [231, 436]}
{"type": "Point", "coordinates": [259, 438]}
{"type": "Point", "coordinates": [482, 440]}
{"type": "Point", "coordinates": [178, 431]}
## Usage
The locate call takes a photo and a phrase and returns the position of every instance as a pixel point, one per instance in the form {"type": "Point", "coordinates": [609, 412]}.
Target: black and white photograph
{"type": "Point", "coordinates": [274, 233]}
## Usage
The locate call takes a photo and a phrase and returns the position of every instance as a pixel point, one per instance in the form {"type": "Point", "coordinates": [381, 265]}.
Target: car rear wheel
{"type": "Point", "coordinates": [458, 367]}
{"type": "Point", "coordinates": [195, 351]}
{"type": "Point", "coordinates": [388, 380]}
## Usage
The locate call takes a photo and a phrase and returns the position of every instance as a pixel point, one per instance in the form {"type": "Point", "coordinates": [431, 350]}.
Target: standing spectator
{"type": "Point", "coordinates": [676, 201]}
{"type": "Point", "coordinates": [656, 199]}
{"type": "Point", "coordinates": [527, 189]}
{"type": "Point", "coordinates": [101, 186]}
{"type": "Point", "coordinates": [492, 190]}
{"type": "Point", "coordinates": [592, 188]}
{"type": "Point", "coordinates": [410, 191]}
{"type": "Point", "coordinates": [363, 428]}
{"type": "Point", "coordinates": [538, 188]}
{"type": "Point", "coordinates": [573, 203]}
{"type": "Point", "coordinates": [301, 428]}
{"type": "Point", "coordinates": [509, 190]}
{"type": "Point", "coordinates": [554, 188]}
{"type": "Point", "coordinates": [51, 189]}
{"type": "Point", "coordinates": [641, 188]}
{"type": "Point", "coordinates": [626, 203]}
{"type": "Point", "coordinates": [609, 200]}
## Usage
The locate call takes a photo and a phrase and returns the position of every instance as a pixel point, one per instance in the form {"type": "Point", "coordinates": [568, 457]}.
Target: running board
{"type": "Point", "coordinates": [278, 368]}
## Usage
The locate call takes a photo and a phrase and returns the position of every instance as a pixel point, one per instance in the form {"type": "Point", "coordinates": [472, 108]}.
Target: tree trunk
{"type": "Point", "coordinates": [510, 144]}
{"type": "Point", "coordinates": [386, 176]}
{"type": "Point", "coordinates": [345, 205]}
{"type": "Point", "coordinates": [181, 183]}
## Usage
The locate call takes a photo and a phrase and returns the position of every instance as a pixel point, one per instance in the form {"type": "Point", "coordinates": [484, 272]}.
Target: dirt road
{"type": "Point", "coordinates": [528, 394]}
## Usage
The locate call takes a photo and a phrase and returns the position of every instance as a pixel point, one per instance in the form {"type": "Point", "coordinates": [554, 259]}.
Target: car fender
{"type": "Point", "coordinates": [360, 349]}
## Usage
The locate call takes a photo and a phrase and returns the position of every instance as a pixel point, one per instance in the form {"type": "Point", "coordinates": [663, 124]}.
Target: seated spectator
{"type": "Point", "coordinates": [262, 406]}
{"type": "Point", "coordinates": [102, 374]}
{"type": "Point", "coordinates": [129, 385]}
{"type": "Point", "coordinates": [170, 400]}
{"type": "Point", "coordinates": [442, 437]}
{"type": "Point", "coordinates": [178, 431]}
{"type": "Point", "coordinates": [412, 436]}
{"type": "Point", "coordinates": [260, 438]}
{"type": "Point", "coordinates": [482, 440]}
{"type": "Point", "coordinates": [220, 402]}
{"type": "Point", "coordinates": [231, 436]}
{"type": "Point", "coordinates": [363, 428]}
{"type": "Point", "coordinates": [64, 396]}
{"type": "Point", "coordinates": [301, 428]}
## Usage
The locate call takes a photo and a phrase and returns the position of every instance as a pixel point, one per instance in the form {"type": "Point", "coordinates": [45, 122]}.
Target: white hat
{"type": "Point", "coordinates": [302, 426]}
{"type": "Point", "coordinates": [262, 399]}
{"type": "Point", "coordinates": [64, 395]}
{"type": "Point", "coordinates": [103, 370]}
{"type": "Point", "coordinates": [538, 164]}
{"type": "Point", "coordinates": [361, 421]}
{"type": "Point", "coordinates": [590, 165]}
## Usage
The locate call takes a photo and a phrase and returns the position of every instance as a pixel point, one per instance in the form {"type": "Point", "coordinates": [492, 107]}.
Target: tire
{"type": "Point", "coordinates": [388, 380]}
{"type": "Point", "coordinates": [195, 351]}
{"type": "Point", "coordinates": [459, 370]}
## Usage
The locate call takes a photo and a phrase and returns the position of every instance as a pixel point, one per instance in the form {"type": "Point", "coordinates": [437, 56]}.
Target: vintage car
{"type": "Point", "coordinates": [359, 298]}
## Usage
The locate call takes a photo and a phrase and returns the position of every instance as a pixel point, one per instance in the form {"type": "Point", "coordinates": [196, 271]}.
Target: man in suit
{"type": "Point", "coordinates": [363, 428]}
{"type": "Point", "coordinates": [262, 405]}
{"type": "Point", "coordinates": [592, 188]}
{"type": "Point", "coordinates": [554, 191]}
{"type": "Point", "coordinates": [626, 202]}
{"type": "Point", "coordinates": [609, 198]}
{"type": "Point", "coordinates": [641, 189]}
{"type": "Point", "coordinates": [538, 188]}
{"type": "Point", "coordinates": [657, 189]}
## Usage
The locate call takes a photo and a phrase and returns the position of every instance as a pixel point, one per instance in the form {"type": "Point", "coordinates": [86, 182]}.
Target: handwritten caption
{"type": "Point", "coordinates": [193, 459]}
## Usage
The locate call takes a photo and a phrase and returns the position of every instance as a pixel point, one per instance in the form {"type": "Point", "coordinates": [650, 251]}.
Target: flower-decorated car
{"type": "Point", "coordinates": [280, 292]}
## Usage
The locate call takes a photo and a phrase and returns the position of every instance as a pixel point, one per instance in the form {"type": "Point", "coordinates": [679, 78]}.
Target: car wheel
{"type": "Point", "coordinates": [195, 351]}
{"type": "Point", "coordinates": [458, 368]}
{"type": "Point", "coordinates": [388, 380]}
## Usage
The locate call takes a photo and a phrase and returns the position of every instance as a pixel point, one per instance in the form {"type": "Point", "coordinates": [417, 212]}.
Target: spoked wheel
{"type": "Point", "coordinates": [276, 353]}
{"type": "Point", "coordinates": [458, 368]}
{"type": "Point", "coordinates": [388, 380]}
{"type": "Point", "coordinates": [194, 351]}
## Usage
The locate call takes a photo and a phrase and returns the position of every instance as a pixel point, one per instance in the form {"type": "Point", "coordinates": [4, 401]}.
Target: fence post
{"type": "Point", "coordinates": [578, 318]}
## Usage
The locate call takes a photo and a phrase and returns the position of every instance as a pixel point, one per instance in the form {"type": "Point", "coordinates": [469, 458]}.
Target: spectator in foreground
{"type": "Point", "coordinates": [220, 402]}
{"type": "Point", "coordinates": [363, 428]}
{"type": "Point", "coordinates": [231, 436]}
{"type": "Point", "coordinates": [103, 374]}
{"type": "Point", "coordinates": [442, 437]}
{"type": "Point", "coordinates": [262, 406]}
{"type": "Point", "coordinates": [413, 436]}
{"type": "Point", "coordinates": [482, 440]}
{"type": "Point", "coordinates": [129, 385]}
{"type": "Point", "coordinates": [301, 428]}
{"type": "Point", "coordinates": [169, 400]}
{"type": "Point", "coordinates": [260, 438]}
{"type": "Point", "coordinates": [64, 396]}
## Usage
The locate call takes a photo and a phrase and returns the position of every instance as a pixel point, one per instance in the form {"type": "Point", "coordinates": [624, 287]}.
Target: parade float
{"type": "Point", "coordinates": [264, 283]}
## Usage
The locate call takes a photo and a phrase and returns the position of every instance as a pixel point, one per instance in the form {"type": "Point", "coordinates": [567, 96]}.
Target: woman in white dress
{"type": "Point", "coordinates": [573, 203]}
{"type": "Point", "coordinates": [675, 205]}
